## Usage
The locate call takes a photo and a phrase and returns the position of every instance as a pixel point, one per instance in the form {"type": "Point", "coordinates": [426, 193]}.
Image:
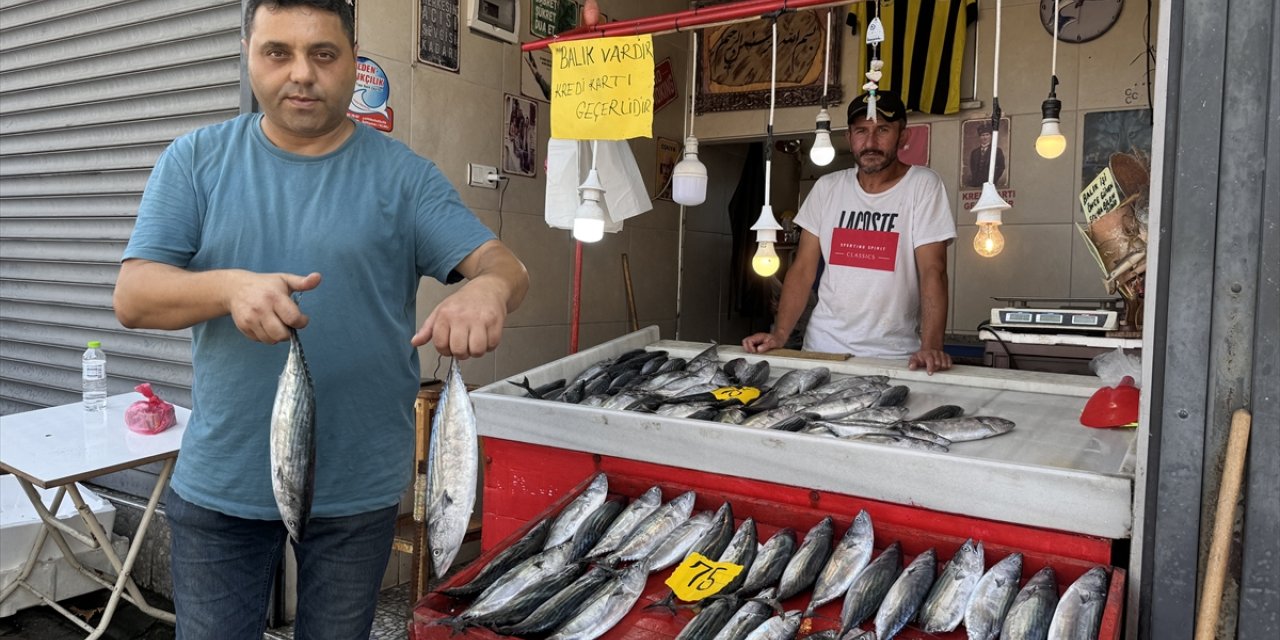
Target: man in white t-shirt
{"type": "Point", "coordinates": [882, 230]}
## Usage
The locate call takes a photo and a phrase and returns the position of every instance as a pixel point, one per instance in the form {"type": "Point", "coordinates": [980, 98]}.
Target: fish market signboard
{"type": "Point", "coordinates": [373, 90]}
{"type": "Point", "coordinates": [602, 89]}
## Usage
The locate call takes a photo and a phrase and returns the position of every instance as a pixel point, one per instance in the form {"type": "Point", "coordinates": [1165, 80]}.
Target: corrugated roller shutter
{"type": "Point", "coordinates": [90, 93]}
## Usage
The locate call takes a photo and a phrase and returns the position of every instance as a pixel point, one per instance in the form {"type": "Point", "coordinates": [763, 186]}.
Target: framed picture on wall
{"type": "Point", "coordinates": [438, 33]}
{"type": "Point", "coordinates": [734, 63]}
{"type": "Point", "coordinates": [975, 159]}
{"type": "Point", "coordinates": [520, 137]}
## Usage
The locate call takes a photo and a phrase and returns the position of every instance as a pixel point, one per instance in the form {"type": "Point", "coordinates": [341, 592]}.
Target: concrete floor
{"type": "Point", "coordinates": [43, 623]}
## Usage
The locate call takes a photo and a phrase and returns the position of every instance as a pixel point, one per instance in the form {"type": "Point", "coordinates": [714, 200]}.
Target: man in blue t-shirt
{"type": "Point", "coordinates": [236, 219]}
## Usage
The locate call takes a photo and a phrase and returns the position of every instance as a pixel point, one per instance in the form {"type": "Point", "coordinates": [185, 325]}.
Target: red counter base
{"type": "Point", "coordinates": [524, 483]}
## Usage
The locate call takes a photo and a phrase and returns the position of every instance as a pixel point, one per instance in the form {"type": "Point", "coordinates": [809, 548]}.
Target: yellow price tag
{"type": "Point", "coordinates": [699, 577]}
{"type": "Point", "coordinates": [741, 394]}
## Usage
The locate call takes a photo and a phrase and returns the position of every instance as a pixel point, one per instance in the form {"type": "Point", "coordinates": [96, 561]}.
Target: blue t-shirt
{"type": "Point", "coordinates": [371, 217]}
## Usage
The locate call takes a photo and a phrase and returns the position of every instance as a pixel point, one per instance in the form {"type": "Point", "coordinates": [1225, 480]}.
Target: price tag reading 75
{"type": "Point", "coordinates": [698, 577]}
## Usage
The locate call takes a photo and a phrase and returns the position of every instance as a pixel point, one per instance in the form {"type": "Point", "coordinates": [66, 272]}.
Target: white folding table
{"type": "Point", "coordinates": [59, 446]}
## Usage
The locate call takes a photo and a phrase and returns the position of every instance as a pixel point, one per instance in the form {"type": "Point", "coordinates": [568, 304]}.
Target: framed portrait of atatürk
{"type": "Point", "coordinates": [735, 63]}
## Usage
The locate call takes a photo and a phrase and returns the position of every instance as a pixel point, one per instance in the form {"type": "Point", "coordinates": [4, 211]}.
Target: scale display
{"type": "Point", "coordinates": [1054, 319]}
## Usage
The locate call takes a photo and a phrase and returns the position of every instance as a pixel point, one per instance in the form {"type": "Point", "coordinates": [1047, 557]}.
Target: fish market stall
{"type": "Point", "coordinates": [1049, 472]}
{"type": "Point", "coordinates": [1015, 472]}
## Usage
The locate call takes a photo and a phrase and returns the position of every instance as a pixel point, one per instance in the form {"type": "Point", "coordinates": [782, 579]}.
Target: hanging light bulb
{"type": "Point", "coordinates": [989, 242]}
{"type": "Point", "coordinates": [1051, 142]}
{"type": "Point", "coordinates": [765, 262]}
{"type": "Point", "coordinates": [822, 152]}
{"type": "Point", "coordinates": [588, 222]}
{"type": "Point", "coordinates": [689, 177]}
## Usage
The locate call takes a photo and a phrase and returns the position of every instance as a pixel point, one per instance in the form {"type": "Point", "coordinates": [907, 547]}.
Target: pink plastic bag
{"type": "Point", "coordinates": [150, 416]}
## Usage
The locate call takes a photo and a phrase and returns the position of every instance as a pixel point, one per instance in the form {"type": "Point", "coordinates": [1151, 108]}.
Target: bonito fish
{"type": "Point", "coordinates": [567, 523]}
{"type": "Point", "coordinates": [944, 608]}
{"type": "Point", "coordinates": [1079, 611]}
{"type": "Point", "coordinates": [849, 557]}
{"type": "Point", "coordinates": [452, 469]}
{"type": "Point", "coordinates": [1032, 610]}
{"type": "Point", "coordinates": [610, 604]}
{"type": "Point", "coordinates": [293, 441]}
{"type": "Point", "coordinates": [903, 599]}
{"type": "Point", "coordinates": [992, 598]}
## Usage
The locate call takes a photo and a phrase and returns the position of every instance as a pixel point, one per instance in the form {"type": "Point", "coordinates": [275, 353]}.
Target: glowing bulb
{"type": "Point", "coordinates": [588, 229]}
{"type": "Point", "coordinates": [1051, 142]}
{"type": "Point", "coordinates": [822, 153]}
{"type": "Point", "coordinates": [989, 242]}
{"type": "Point", "coordinates": [765, 262]}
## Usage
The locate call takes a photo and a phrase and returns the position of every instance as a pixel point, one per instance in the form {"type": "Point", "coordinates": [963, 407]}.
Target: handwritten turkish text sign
{"type": "Point", "coordinates": [1101, 196]}
{"type": "Point", "coordinates": [698, 577]}
{"type": "Point", "coordinates": [602, 89]}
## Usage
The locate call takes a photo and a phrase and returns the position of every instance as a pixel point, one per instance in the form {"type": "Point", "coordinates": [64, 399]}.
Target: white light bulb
{"type": "Point", "coordinates": [765, 262]}
{"type": "Point", "coordinates": [588, 221]}
{"type": "Point", "coordinates": [1051, 142]}
{"type": "Point", "coordinates": [822, 153]}
{"type": "Point", "coordinates": [587, 229]}
{"type": "Point", "coordinates": [689, 177]}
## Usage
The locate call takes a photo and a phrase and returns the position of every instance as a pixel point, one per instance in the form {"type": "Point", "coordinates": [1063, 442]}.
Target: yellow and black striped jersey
{"type": "Point", "coordinates": [923, 48]}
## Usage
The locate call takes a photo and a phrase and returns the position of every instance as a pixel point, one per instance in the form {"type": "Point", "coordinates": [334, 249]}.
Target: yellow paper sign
{"type": "Point", "coordinates": [602, 89]}
{"type": "Point", "coordinates": [699, 577]}
{"type": "Point", "coordinates": [741, 394]}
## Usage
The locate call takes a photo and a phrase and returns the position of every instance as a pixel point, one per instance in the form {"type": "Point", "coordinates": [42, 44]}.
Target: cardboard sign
{"type": "Point", "coordinates": [602, 89]}
{"type": "Point", "coordinates": [1100, 196]}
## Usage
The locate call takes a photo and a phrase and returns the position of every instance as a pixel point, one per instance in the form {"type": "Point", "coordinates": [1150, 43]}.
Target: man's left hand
{"type": "Point", "coordinates": [468, 323]}
{"type": "Point", "coordinates": [931, 359]}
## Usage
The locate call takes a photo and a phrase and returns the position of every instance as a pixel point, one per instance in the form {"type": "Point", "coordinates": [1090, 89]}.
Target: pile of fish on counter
{"type": "Point", "coordinates": [576, 575]}
{"type": "Point", "coordinates": [861, 408]}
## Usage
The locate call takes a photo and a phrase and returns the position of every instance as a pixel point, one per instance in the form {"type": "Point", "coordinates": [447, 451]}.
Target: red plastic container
{"type": "Point", "coordinates": [525, 483]}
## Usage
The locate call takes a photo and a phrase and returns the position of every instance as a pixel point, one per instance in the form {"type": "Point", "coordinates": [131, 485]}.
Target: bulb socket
{"type": "Point", "coordinates": [1051, 108]}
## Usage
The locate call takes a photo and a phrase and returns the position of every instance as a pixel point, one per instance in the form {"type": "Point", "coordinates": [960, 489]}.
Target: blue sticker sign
{"type": "Point", "coordinates": [369, 103]}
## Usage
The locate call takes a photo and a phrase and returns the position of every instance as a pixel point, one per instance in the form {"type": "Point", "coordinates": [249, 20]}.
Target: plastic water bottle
{"type": "Point", "coordinates": [94, 377]}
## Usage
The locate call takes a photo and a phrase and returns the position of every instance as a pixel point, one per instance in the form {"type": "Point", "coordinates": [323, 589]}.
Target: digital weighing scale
{"type": "Point", "coordinates": [1057, 314]}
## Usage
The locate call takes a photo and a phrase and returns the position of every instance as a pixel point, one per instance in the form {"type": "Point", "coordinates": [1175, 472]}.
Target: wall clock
{"type": "Point", "coordinates": [1080, 20]}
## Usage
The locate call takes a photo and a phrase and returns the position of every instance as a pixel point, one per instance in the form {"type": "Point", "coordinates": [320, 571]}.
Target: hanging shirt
{"type": "Point", "coordinates": [923, 49]}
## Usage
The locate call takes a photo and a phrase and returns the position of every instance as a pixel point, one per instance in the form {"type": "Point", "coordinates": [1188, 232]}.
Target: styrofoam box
{"type": "Point", "coordinates": [19, 526]}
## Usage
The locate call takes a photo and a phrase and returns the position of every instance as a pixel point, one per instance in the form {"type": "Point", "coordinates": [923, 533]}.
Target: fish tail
{"type": "Point", "coordinates": [665, 603]}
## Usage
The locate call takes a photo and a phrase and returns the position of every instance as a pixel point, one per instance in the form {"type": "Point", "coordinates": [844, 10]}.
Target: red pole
{"type": "Point", "coordinates": [682, 20]}
{"type": "Point", "coordinates": [577, 297]}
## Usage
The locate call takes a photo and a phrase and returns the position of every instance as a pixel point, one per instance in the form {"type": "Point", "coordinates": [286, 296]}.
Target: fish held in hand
{"type": "Point", "coordinates": [452, 469]}
{"type": "Point", "coordinates": [293, 441]}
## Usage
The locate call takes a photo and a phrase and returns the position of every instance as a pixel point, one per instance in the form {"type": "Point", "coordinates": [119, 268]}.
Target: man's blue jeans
{"type": "Point", "coordinates": [223, 568]}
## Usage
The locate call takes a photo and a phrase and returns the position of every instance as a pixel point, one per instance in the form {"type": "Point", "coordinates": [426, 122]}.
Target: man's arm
{"type": "Point", "coordinates": [931, 264]}
{"type": "Point", "coordinates": [154, 295]}
{"type": "Point", "coordinates": [795, 296]}
{"type": "Point", "coordinates": [468, 323]}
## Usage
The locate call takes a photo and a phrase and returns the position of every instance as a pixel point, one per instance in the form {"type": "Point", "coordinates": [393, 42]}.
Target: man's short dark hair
{"type": "Point", "coordinates": [340, 7]}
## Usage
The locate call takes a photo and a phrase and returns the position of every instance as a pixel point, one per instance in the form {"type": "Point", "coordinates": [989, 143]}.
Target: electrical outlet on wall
{"type": "Point", "coordinates": [481, 175]}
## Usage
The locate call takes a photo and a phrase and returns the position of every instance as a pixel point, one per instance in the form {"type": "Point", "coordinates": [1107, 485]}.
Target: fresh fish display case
{"type": "Point", "coordinates": [1051, 489]}
{"type": "Point", "coordinates": [1049, 471]}
{"type": "Point", "coordinates": [771, 507]}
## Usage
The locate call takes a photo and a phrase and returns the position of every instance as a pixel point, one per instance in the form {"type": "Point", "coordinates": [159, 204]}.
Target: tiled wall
{"type": "Point", "coordinates": [1044, 255]}
{"type": "Point", "coordinates": [456, 118]}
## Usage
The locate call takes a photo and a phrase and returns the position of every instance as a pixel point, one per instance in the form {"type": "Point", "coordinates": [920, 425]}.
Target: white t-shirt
{"type": "Point", "coordinates": [869, 294]}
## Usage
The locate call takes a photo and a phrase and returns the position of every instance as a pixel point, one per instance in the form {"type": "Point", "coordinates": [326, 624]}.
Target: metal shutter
{"type": "Point", "coordinates": [90, 93]}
